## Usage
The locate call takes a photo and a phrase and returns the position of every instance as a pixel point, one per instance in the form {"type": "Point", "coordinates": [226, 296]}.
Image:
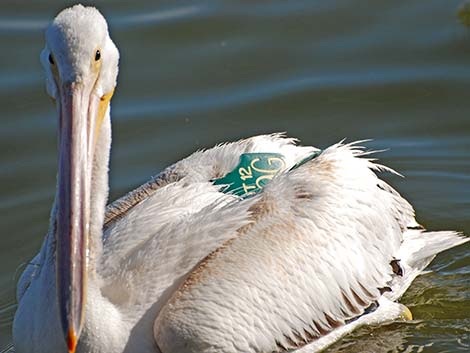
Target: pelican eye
{"type": "Point", "coordinates": [51, 59]}
{"type": "Point", "coordinates": [97, 55]}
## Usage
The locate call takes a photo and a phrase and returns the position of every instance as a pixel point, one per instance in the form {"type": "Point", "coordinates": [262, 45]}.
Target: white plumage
{"type": "Point", "coordinates": [180, 266]}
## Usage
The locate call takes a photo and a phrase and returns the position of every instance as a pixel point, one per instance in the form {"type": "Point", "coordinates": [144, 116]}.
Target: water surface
{"type": "Point", "coordinates": [197, 73]}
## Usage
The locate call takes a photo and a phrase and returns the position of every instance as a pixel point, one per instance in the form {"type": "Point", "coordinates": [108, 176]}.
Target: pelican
{"type": "Point", "coordinates": [259, 245]}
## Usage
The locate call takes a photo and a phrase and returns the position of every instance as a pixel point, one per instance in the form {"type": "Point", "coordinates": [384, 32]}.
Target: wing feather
{"type": "Point", "coordinates": [204, 166]}
{"type": "Point", "coordinates": [157, 233]}
{"type": "Point", "coordinates": [315, 254]}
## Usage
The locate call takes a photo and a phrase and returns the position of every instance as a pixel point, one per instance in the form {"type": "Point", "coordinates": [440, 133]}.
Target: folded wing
{"type": "Point", "coordinates": [315, 254]}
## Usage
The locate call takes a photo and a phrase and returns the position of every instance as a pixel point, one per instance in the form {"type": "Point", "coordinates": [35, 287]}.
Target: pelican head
{"type": "Point", "coordinates": [81, 64]}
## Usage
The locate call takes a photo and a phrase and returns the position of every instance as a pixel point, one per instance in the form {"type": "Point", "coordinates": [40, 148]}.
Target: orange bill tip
{"type": "Point", "coordinates": [71, 341]}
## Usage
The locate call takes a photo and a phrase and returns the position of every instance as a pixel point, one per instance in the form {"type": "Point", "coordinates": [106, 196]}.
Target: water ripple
{"type": "Point", "coordinates": [12, 26]}
{"type": "Point", "coordinates": [271, 88]}
{"type": "Point", "coordinates": [156, 16]}
{"type": "Point", "coordinates": [15, 25]}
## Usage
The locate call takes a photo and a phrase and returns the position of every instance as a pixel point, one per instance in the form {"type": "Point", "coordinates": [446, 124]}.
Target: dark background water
{"type": "Point", "coordinates": [197, 73]}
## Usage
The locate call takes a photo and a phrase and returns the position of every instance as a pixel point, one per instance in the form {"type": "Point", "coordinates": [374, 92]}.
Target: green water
{"type": "Point", "coordinates": [197, 73]}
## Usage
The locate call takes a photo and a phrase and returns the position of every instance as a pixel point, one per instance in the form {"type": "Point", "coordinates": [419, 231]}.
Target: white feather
{"type": "Point", "coordinates": [329, 230]}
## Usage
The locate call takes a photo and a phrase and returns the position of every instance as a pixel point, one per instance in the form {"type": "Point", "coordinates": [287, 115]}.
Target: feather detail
{"type": "Point", "coordinates": [314, 254]}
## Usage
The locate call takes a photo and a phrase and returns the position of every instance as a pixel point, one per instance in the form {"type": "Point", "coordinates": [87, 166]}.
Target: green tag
{"type": "Point", "coordinates": [253, 172]}
{"type": "Point", "coordinates": [306, 159]}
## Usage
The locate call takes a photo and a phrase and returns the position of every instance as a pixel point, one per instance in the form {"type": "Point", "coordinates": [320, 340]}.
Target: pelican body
{"type": "Point", "coordinates": [309, 246]}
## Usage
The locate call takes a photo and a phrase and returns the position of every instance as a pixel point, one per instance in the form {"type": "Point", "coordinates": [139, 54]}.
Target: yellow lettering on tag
{"type": "Point", "coordinates": [263, 177]}
{"type": "Point", "coordinates": [273, 160]}
{"type": "Point", "coordinates": [247, 188]}
{"type": "Point", "coordinates": [245, 173]}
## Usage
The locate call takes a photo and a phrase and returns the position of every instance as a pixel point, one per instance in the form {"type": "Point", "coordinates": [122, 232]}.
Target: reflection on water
{"type": "Point", "coordinates": [386, 339]}
{"type": "Point", "coordinates": [196, 73]}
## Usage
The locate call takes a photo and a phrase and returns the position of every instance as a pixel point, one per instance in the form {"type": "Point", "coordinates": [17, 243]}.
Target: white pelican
{"type": "Point", "coordinates": [200, 259]}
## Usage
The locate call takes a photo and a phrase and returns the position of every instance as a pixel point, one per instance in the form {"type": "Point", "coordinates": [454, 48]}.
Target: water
{"type": "Point", "coordinates": [197, 73]}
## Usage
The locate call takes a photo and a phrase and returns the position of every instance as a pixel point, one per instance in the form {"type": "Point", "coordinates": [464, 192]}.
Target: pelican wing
{"type": "Point", "coordinates": [157, 233]}
{"type": "Point", "coordinates": [206, 165]}
{"type": "Point", "coordinates": [315, 254]}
